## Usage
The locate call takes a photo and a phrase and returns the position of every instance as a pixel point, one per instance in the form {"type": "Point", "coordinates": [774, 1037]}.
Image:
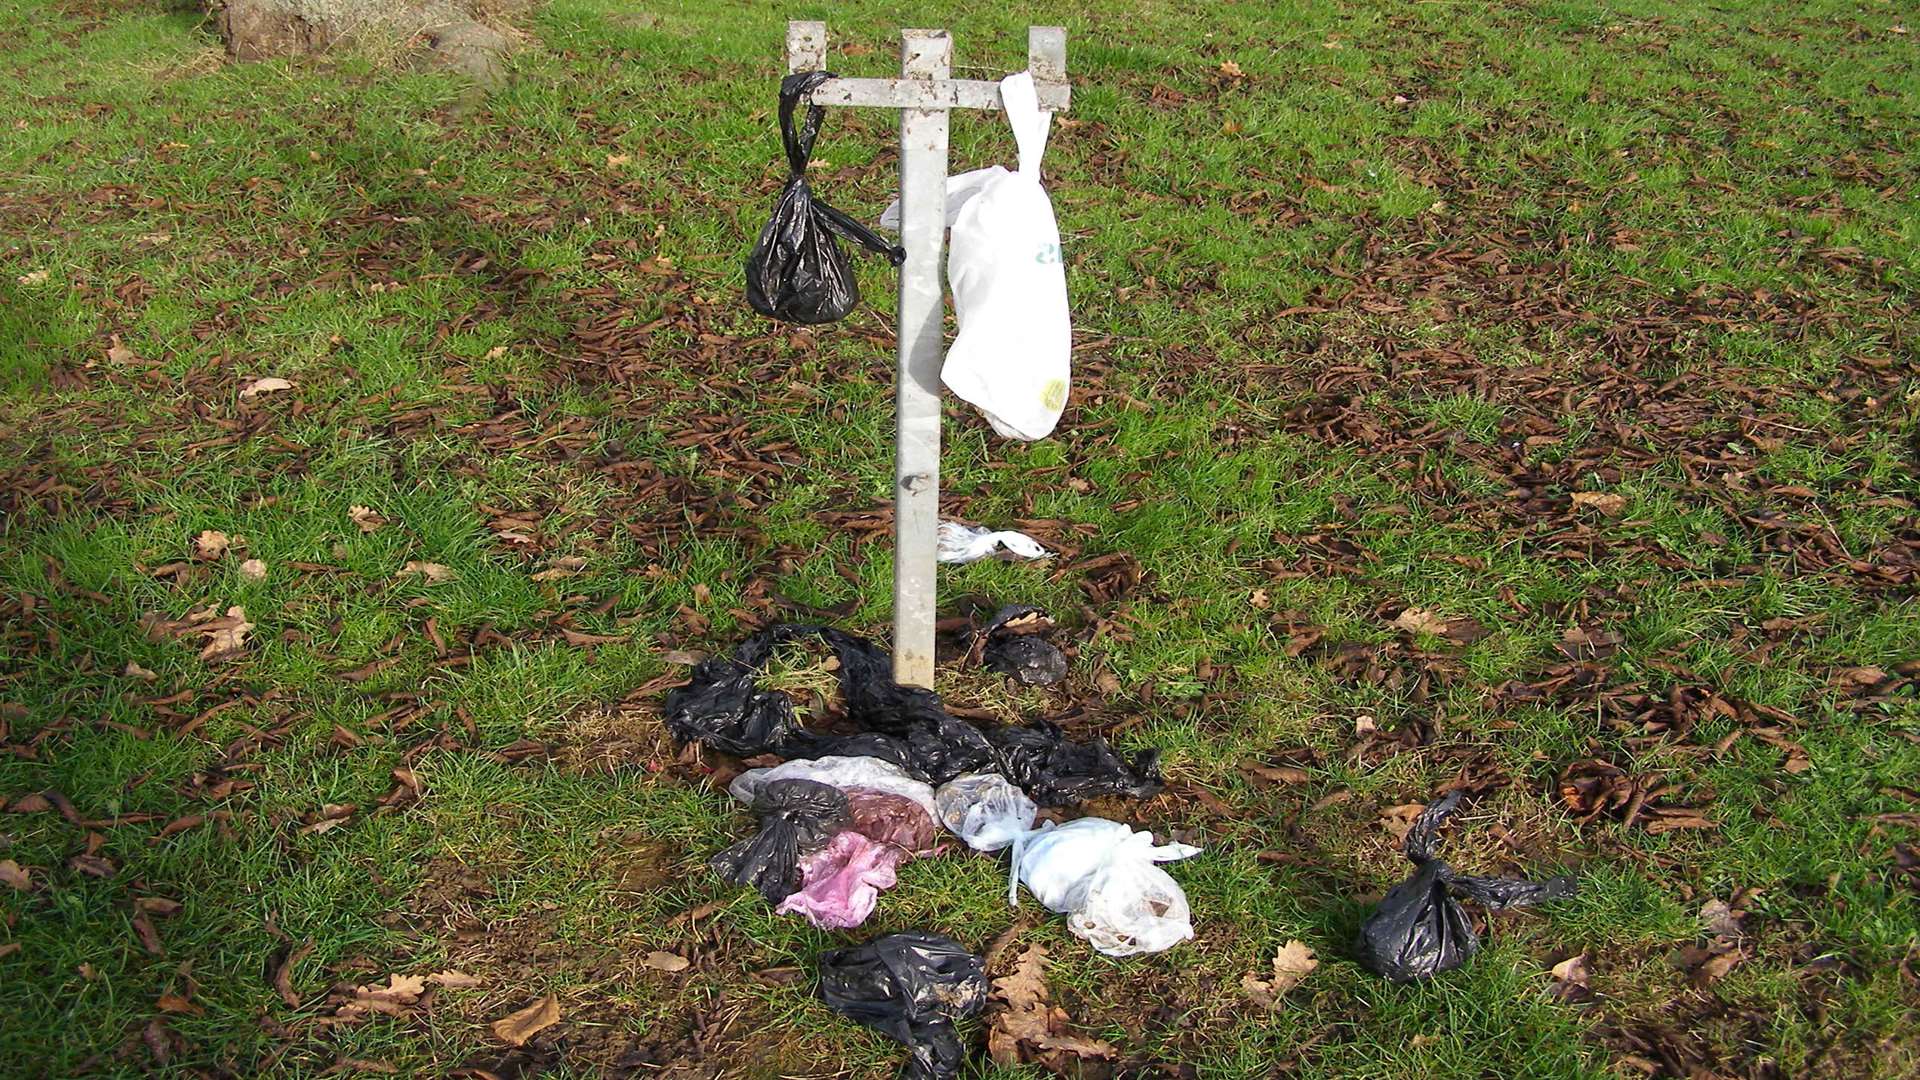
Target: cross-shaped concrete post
{"type": "Point", "coordinates": [923, 94]}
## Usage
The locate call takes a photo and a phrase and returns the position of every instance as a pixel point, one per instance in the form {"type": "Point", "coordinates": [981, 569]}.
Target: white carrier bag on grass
{"type": "Point", "coordinates": [1012, 357]}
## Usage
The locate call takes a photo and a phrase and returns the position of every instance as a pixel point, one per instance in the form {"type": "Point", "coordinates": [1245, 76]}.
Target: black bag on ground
{"type": "Point", "coordinates": [1419, 928]}
{"type": "Point", "coordinates": [1014, 646]}
{"type": "Point", "coordinates": [797, 272]}
{"type": "Point", "coordinates": [1057, 772]}
{"type": "Point", "coordinates": [910, 987]}
{"type": "Point", "coordinates": [797, 817]}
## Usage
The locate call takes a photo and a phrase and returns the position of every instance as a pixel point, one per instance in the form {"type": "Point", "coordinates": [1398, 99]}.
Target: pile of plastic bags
{"type": "Point", "coordinates": [844, 811]}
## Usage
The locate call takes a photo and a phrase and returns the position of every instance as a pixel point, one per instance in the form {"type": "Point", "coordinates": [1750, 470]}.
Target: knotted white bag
{"type": "Point", "coordinates": [1012, 357]}
{"type": "Point", "coordinates": [985, 810]}
{"type": "Point", "coordinates": [1101, 874]}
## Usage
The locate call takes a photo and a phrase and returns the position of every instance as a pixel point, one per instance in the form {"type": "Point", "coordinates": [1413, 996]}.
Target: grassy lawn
{"type": "Point", "coordinates": [1583, 329]}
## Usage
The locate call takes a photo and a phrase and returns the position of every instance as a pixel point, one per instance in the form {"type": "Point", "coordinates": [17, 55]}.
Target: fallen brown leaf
{"type": "Point", "coordinates": [210, 545]}
{"type": "Point", "coordinates": [665, 961]}
{"type": "Point", "coordinates": [93, 865]}
{"type": "Point", "coordinates": [283, 975]}
{"type": "Point", "coordinates": [454, 980]}
{"type": "Point", "coordinates": [14, 876]}
{"type": "Point", "coordinates": [1275, 774]}
{"type": "Point", "coordinates": [1292, 963]}
{"type": "Point", "coordinates": [135, 671]}
{"type": "Point", "coordinates": [1604, 501]}
{"type": "Point", "coordinates": [267, 385]}
{"type": "Point", "coordinates": [432, 571]}
{"type": "Point", "coordinates": [174, 1003]}
{"type": "Point", "coordinates": [1028, 1028]}
{"type": "Point", "coordinates": [254, 570]}
{"type": "Point", "coordinates": [9, 949]}
{"type": "Point", "coordinates": [226, 636]}
{"type": "Point", "coordinates": [157, 905]}
{"type": "Point", "coordinates": [1570, 979]}
{"type": "Point", "coordinates": [1421, 621]}
{"type": "Point", "coordinates": [367, 518]}
{"type": "Point", "coordinates": [31, 804]}
{"type": "Point", "coordinates": [516, 1028]}
{"type": "Point", "coordinates": [1398, 820]}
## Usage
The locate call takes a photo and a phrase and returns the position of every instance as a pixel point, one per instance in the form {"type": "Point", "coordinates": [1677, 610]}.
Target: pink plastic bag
{"type": "Point", "coordinates": [842, 881]}
{"type": "Point", "coordinates": [886, 818]}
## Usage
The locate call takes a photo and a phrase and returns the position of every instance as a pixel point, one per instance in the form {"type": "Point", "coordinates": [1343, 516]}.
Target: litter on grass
{"type": "Point", "coordinates": [847, 774]}
{"type": "Point", "coordinates": [841, 882]}
{"type": "Point", "coordinates": [1013, 643]}
{"type": "Point", "coordinates": [1103, 876]}
{"type": "Point", "coordinates": [1419, 929]}
{"type": "Point", "coordinates": [797, 272]}
{"type": "Point", "coordinates": [911, 987]}
{"type": "Point", "coordinates": [985, 810]}
{"type": "Point", "coordinates": [797, 817]}
{"type": "Point", "coordinates": [967, 543]}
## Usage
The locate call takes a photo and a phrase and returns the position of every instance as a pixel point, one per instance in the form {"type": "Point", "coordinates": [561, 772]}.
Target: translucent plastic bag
{"type": "Point", "coordinates": [844, 773]}
{"type": "Point", "coordinates": [985, 810]}
{"type": "Point", "coordinates": [1102, 875]}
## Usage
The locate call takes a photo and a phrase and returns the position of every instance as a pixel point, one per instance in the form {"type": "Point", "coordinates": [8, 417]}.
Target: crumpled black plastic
{"type": "Point", "coordinates": [724, 708]}
{"type": "Point", "coordinates": [797, 817]}
{"type": "Point", "coordinates": [1055, 771]}
{"type": "Point", "coordinates": [910, 987]}
{"type": "Point", "coordinates": [797, 272]}
{"type": "Point", "coordinates": [1420, 929]}
{"type": "Point", "coordinates": [1029, 658]}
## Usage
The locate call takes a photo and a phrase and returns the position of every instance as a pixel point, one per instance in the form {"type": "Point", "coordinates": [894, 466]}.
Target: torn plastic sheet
{"type": "Point", "coordinates": [1058, 772]}
{"type": "Point", "coordinates": [841, 883]}
{"type": "Point", "coordinates": [797, 817]}
{"type": "Point", "coordinates": [910, 987]}
{"type": "Point", "coordinates": [844, 773]}
{"type": "Point", "coordinates": [723, 707]}
{"type": "Point", "coordinates": [1419, 928]}
{"type": "Point", "coordinates": [1012, 643]}
{"type": "Point", "coordinates": [968, 543]}
{"type": "Point", "coordinates": [1102, 876]}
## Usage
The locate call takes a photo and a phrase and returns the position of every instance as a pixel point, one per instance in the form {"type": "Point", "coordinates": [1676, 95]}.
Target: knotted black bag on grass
{"type": "Point", "coordinates": [1419, 929]}
{"type": "Point", "coordinates": [797, 272]}
{"type": "Point", "coordinates": [797, 818]}
{"type": "Point", "coordinates": [910, 987]}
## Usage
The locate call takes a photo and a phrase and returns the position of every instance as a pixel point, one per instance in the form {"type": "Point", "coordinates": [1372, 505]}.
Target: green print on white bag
{"type": "Point", "coordinates": [1047, 254]}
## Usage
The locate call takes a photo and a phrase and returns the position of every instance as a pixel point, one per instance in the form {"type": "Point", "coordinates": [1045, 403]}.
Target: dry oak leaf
{"type": "Point", "coordinates": [516, 1028]}
{"type": "Point", "coordinates": [135, 671]}
{"type": "Point", "coordinates": [211, 545]}
{"type": "Point", "coordinates": [432, 571]}
{"type": "Point", "coordinates": [454, 980]}
{"type": "Point", "coordinates": [1028, 1018]}
{"type": "Point", "coordinates": [1292, 963]}
{"type": "Point", "coordinates": [1604, 501]}
{"type": "Point", "coordinates": [367, 518]}
{"type": "Point", "coordinates": [263, 386]}
{"type": "Point", "coordinates": [393, 999]}
{"type": "Point", "coordinates": [174, 1003]}
{"type": "Point", "coordinates": [226, 636]}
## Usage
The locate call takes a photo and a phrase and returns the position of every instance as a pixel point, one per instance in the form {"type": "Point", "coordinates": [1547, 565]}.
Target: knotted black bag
{"type": "Point", "coordinates": [797, 272]}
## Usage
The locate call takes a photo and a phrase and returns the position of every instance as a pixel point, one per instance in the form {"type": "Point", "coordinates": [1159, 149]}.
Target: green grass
{"type": "Point", "coordinates": [1664, 252]}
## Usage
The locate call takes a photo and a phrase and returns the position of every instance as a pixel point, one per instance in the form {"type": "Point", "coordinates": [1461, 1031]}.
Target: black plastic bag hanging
{"type": "Point", "coordinates": [1055, 771]}
{"type": "Point", "coordinates": [910, 987]}
{"type": "Point", "coordinates": [797, 272]}
{"type": "Point", "coordinates": [797, 817]}
{"type": "Point", "coordinates": [1420, 929]}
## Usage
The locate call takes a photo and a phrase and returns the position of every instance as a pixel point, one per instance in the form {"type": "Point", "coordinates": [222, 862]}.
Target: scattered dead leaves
{"type": "Point", "coordinates": [433, 572]}
{"type": "Point", "coordinates": [225, 635]}
{"type": "Point", "coordinates": [1605, 502]}
{"type": "Point", "coordinates": [396, 998]}
{"type": "Point", "coordinates": [254, 570]}
{"type": "Point", "coordinates": [1570, 979]}
{"type": "Point", "coordinates": [365, 518]}
{"type": "Point", "coordinates": [1292, 963]}
{"type": "Point", "coordinates": [269, 385]}
{"type": "Point", "coordinates": [516, 1028]}
{"type": "Point", "coordinates": [211, 546]}
{"type": "Point", "coordinates": [1028, 1029]}
{"type": "Point", "coordinates": [15, 876]}
{"type": "Point", "coordinates": [665, 961]}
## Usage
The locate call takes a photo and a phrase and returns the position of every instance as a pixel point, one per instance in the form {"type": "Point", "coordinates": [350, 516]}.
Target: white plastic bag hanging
{"type": "Point", "coordinates": [1012, 357]}
{"type": "Point", "coordinates": [1101, 874]}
